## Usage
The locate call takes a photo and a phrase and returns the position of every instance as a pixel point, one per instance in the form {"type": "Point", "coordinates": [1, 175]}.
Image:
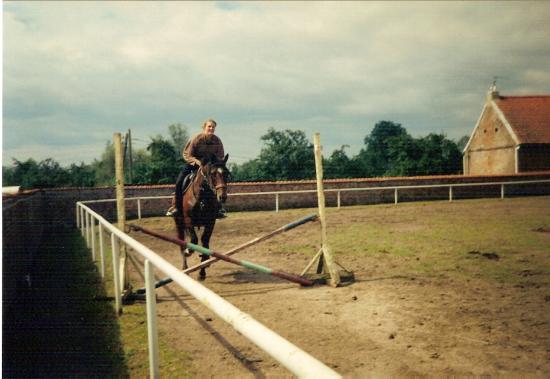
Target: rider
{"type": "Point", "coordinates": [198, 147]}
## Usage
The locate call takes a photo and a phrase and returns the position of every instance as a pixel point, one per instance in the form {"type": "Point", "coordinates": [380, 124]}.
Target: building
{"type": "Point", "coordinates": [512, 135]}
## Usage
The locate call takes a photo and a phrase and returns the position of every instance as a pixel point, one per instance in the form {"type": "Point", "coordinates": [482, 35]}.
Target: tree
{"type": "Point", "coordinates": [440, 156]}
{"type": "Point", "coordinates": [374, 158]}
{"type": "Point", "coordinates": [338, 165]}
{"type": "Point", "coordinates": [81, 175]}
{"type": "Point", "coordinates": [104, 168]}
{"type": "Point", "coordinates": [180, 136]}
{"type": "Point", "coordinates": [164, 165]}
{"type": "Point", "coordinates": [287, 155]}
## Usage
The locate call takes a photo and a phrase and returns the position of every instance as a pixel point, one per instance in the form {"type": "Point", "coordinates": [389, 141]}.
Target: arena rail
{"type": "Point", "coordinates": [289, 355]}
{"type": "Point", "coordinates": [338, 191]}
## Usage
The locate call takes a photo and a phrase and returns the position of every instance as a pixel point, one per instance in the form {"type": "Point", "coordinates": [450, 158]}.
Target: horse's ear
{"type": "Point", "coordinates": [225, 158]}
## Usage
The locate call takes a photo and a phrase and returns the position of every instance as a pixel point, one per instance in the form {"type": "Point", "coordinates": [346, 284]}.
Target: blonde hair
{"type": "Point", "coordinates": [211, 120]}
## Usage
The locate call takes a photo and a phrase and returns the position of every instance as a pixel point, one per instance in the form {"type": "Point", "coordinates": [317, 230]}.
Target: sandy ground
{"type": "Point", "coordinates": [387, 323]}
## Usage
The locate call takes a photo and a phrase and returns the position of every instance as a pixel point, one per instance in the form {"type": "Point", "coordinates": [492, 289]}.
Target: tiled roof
{"type": "Point", "coordinates": [529, 117]}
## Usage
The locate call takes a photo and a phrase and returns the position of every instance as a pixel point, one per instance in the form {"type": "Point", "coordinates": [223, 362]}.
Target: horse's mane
{"type": "Point", "coordinates": [212, 159]}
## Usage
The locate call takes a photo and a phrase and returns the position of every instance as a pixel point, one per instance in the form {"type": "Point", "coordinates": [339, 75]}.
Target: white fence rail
{"type": "Point", "coordinates": [338, 191]}
{"type": "Point", "coordinates": [289, 355]}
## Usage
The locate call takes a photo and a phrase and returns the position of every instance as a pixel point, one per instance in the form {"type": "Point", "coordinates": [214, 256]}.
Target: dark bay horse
{"type": "Point", "coordinates": [200, 203]}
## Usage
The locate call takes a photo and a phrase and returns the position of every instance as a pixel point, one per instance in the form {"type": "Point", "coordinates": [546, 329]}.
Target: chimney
{"type": "Point", "coordinates": [492, 94]}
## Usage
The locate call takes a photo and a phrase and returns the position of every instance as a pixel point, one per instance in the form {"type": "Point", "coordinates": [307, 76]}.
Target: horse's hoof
{"type": "Point", "coordinates": [188, 252]}
{"type": "Point", "coordinates": [202, 277]}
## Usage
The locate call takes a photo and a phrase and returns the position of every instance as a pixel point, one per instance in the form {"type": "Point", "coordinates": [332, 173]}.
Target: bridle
{"type": "Point", "coordinates": [209, 181]}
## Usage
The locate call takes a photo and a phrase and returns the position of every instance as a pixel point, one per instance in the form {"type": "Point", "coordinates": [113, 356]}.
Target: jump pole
{"type": "Point", "coordinates": [282, 229]}
{"type": "Point", "coordinates": [243, 263]}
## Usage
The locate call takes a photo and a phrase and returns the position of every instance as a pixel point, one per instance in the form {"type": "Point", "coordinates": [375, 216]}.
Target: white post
{"type": "Point", "coordinates": [276, 202]}
{"type": "Point", "coordinates": [101, 250]}
{"type": "Point", "coordinates": [87, 229]}
{"type": "Point", "coordinates": [92, 231]}
{"type": "Point", "coordinates": [116, 275]}
{"type": "Point", "coordinates": [82, 221]}
{"type": "Point", "coordinates": [338, 199]}
{"type": "Point", "coordinates": [152, 320]}
{"type": "Point", "coordinates": [327, 251]}
{"type": "Point", "coordinates": [139, 208]}
{"type": "Point", "coordinates": [502, 191]}
{"type": "Point", "coordinates": [450, 193]}
{"type": "Point", "coordinates": [77, 216]}
{"type": "Point", "coordinates": [395, 196]}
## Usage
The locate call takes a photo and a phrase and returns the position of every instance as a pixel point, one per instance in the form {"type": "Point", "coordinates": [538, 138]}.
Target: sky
{"type": "Point", "coordinates": [75, 73]}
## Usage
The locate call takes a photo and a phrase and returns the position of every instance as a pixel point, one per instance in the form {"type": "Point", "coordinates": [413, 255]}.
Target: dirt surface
{"type": "Point", "coordinates": [393, 321]}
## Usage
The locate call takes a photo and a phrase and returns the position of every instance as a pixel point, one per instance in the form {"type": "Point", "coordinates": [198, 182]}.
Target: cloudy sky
{"type": "Point", "coordinates": [75, 73]}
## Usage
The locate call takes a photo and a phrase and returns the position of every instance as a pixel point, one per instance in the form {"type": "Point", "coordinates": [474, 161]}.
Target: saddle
{"type": "Point", "coordinates": [185, 184]}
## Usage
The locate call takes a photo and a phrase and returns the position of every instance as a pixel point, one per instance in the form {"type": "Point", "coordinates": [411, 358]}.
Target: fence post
{"type": "Point", "coordinates": [327, 251]}
{"type": "Point", "coordinates": [92, 231]}
{"type": "Point", "coordinates": [338, 199]}
{"type": "Point", "coordinates": [395, 196]}
{"type": "Point", "coordinates": [101, 250]}
{"type": "Point", "coordinates": [116, 275]}
{"type": "Point", "coordinates": [152, 320]}
{"type": "Point", "coordinates": [82, 221]}
{"type": "Point", "coordinates": [87, 229]}
{"type": "Point", "coordinates": [450, 193]}
{"type": "Point", "coordinates": [276, 202]}
{"type": "Point", "coordinates": [502, 191]}
{"type": "Point", "coordinates": [139, 208]}
{"type": "Point", "coordinates": [77, 216]}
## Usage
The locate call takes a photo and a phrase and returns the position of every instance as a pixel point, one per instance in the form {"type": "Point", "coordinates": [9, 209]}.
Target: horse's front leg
{"type": "Point", "coordinates": [205, 241]}
{"type": "Point", "coordinates": [194, 240]}
{"type": "Point", "coordinates": [180, 227]}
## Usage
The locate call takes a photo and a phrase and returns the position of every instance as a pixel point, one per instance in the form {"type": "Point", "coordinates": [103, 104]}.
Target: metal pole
{"type": "Point", "coordinates": [276, 202]}
{"type": "Point", "coordinates": [450, 193]}
{"type": "Point", "coordinates": [502, 191]}
{"type": "Point", "coordinates": [338, 199]}
{"type": "Point", "coordinates": [116, 275]}
{"type": "Point", "coordinates": [152, 332]}
{"type": "Point", "coordinates": [139, 208]}
{"type": "Point", "coordinates": [131, 159]}
{"type": "Point", "coordinates": [101, 250]}
{"type": "Point", "coordinates": [395, 196]}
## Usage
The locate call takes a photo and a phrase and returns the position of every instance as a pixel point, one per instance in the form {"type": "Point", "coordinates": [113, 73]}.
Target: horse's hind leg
{"type": "Point", "coordinates": [205, 241]}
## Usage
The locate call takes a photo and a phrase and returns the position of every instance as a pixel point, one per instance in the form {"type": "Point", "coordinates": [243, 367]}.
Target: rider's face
{"type": "Point", "coordinates": [209, 128]}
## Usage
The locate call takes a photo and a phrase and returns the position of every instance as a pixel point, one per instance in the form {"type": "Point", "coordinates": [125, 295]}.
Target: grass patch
{"type": "Point", "coordinates": [133, 333]}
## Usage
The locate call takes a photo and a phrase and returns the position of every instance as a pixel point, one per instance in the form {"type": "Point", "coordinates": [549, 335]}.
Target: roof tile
{"type": "Point", "coordinates": [529, 117]}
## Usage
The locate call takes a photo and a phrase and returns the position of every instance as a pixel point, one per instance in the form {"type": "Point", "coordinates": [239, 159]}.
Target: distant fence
{"type": "Point", "coordinates": [154, 200]}
{"type": "Point", "coordinates": [387, 194]}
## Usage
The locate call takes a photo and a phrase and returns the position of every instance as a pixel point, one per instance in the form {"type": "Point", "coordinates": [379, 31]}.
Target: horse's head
{"type": "Point", "coordinates": [217, 175]}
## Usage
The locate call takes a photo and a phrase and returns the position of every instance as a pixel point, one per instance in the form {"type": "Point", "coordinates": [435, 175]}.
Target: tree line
{"type": "Point", "coordinates": [388, 150]}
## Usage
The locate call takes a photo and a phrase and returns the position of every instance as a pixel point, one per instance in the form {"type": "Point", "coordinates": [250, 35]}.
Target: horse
{"type": "Point", "coordinates": [199, 205]}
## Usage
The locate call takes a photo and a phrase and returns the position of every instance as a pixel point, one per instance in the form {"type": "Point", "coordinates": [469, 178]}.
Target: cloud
{"type": "Point", "coordinates": [92, 68]}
